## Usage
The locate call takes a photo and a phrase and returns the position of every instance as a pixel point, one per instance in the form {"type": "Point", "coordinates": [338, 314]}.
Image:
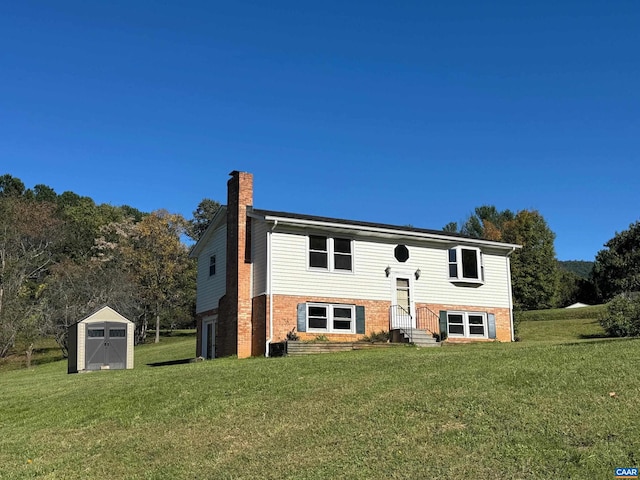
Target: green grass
{"type": "Point", "coordinates": [533, 409]}
{"type": "Point", "coordinates": [561, 313]}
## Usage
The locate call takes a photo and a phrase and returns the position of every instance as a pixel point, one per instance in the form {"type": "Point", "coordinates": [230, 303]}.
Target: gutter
{"type": "Point", "coordinates": [513, 333]}
{"type": "Point", "coordinates": [438, 238]}
{"type": "Point", "coordinates": [269, 288]}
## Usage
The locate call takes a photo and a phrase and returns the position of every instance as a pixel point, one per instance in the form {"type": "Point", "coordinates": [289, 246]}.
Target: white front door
{"type": "Point", "coordinates": [402, 300]}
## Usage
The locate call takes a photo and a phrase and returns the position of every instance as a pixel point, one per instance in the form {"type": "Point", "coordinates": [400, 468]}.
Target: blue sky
{"type": "Point", "coordinates": [392, 112]}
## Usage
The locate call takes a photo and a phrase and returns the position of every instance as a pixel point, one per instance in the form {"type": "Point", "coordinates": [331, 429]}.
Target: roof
{"type": "Point", "coordinates": [105, 313]}
{"type": "Point", "coordinates": [379, 228]}
{"type": "Point", "coordinates": [382, 229]}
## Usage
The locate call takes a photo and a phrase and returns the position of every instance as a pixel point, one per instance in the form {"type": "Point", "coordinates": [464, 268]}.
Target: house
{"type": "Point", "coordinates": [262, 274]}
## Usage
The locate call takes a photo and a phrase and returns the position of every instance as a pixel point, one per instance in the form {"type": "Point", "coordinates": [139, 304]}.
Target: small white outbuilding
{"type": "Point", "coordinates": [578, 305]}
{"type": "Point", "coordinates": [102, 341]}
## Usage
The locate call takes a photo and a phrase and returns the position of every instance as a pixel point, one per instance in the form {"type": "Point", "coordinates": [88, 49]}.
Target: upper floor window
{"type": "Point", "coordinates": [465, 264]}
{"type": "Point", "coordinates": [212, 265]}
{"type": "Point", "coordinates": [330, 253]}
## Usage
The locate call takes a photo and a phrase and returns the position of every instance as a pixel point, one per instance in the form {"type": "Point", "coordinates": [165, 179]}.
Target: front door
{"type": "Point", "coordinates": [401, 311]}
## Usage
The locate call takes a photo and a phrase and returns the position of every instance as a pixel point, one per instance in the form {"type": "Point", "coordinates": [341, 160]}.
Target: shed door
{"type": "Point", "coordinates": [94, 346]}
{"type": "Point", "coordinates": [106, 345]}
{"type": "Point", "coordinates": [116, 348]}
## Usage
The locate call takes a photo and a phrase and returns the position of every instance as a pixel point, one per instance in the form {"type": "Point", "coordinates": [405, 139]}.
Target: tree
{"type": "Point", "coordinates": [617, 267]}
{"type": "Point", "coordinates": [487, 222]}
{"type": "Point", "coordinates": [202, 217]}
{"type": "Point", "coordinates": [11, 186]}
{"type": "Point", "coordinates": [158, 262]}
{"type": "Point", "coordinates": [44, 193]}
{"type": "Point", "coordinates": [533, 266]}
{"type": "Point", "coordinates": [451, 227]}
{"type": "Point", "coordinates": [28, 231]}
{"type": "Point", "coordinates": [75, 290]}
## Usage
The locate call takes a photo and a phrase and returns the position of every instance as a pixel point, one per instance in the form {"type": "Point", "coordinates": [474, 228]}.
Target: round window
{"type": "Point", "coordinates": [401, 253]}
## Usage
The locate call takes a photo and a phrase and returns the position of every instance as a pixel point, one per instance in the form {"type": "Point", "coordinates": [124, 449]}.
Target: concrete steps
{"type": "Point", "coordinates": [418, 337]}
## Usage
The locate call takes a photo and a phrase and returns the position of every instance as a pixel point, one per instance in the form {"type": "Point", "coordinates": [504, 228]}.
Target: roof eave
{"type": "Point", "coordinates": [284, 220]}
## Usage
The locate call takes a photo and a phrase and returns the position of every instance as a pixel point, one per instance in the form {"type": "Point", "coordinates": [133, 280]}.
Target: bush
{"type": "Point", "coordinates": [381, 336]}
{"type": "Point", "coordinates": [622, 317]}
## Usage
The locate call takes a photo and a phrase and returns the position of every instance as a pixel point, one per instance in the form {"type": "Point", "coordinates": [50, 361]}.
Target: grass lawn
{"type": "Point", "coordinates": [541, 408]}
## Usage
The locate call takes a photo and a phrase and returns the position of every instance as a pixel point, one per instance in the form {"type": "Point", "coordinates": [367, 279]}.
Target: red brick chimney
{"type": "Point", "coordinates": [238, 282]}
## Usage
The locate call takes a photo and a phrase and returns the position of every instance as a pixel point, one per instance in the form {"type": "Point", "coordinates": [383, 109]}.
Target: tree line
{"type": "Point", "coordinates": [62, 256]}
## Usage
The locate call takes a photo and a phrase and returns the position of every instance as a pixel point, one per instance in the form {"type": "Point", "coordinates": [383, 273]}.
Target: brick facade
{"type": "Point", "coordinates": [376, 317]}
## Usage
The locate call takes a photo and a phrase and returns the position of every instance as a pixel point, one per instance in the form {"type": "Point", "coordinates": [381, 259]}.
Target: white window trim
{"type": "Point", "coordinates": [465, 324]}
{"type": "Point", "coordinates": [330, 255]}
{"type": "Point", "coordinates": [460, 278]}
{"type": "Point", "coordinates": [330, 318]}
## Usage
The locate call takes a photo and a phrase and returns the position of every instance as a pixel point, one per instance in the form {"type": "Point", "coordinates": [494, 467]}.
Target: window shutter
{"type": "Point", "coordinates": [443, 325]}
{"type": "Point", "coordinates": [302, 317]}
{"type": "Point", "coordinates": [360, 319]}
{"type": "Point", "coordinates": [492, 325]}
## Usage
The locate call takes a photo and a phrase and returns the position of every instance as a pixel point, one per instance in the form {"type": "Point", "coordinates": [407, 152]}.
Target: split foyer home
{"type": "Point", "coordinates": [262, 274]}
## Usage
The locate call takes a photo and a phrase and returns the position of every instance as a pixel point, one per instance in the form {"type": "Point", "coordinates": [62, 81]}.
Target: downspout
{"type": "Point", "coordinates": [513, 333]}
{"type": "Point", "coordinates": [269, 289]}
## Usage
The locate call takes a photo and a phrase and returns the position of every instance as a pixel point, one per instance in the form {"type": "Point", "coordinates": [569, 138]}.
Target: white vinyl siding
{"type": "Point", "coordinates": [368, 280]}
{"type": "Point", "coordinates": [212, 288]}
{"type": "Point", "coordinates": [259, 256]}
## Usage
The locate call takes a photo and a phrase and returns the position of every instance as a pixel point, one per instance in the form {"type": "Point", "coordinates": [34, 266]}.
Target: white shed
{"type": "Point", "coordinates": [578, 305]}
{"type": "Point", "coordinates": [102, 341]}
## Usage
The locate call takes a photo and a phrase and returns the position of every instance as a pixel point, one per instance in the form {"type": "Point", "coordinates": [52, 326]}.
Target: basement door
{"type": "Point", "coordinates": [208, 344]}
{"type": "Point", "coordinates": [106, 346]}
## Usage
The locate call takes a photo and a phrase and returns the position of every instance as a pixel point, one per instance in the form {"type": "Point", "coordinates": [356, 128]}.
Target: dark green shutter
{"type": "Point", "coordinates": [359, 318]}
{"type": "Point", "coordinates": [443, 325]}
{"type": "Point", "coordinates": [492, 325]}
{"type": "Point", "coordinates": [302, 317]}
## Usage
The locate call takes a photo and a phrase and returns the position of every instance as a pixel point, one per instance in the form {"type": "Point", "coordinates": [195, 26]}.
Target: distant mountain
{"type": "Point", "coordinates": [582, 268]}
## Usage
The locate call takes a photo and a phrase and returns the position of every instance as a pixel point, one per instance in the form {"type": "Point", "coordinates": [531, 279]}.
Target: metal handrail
{"type": "Point", "coordinates": [428, 320]}
{"type": "Point", "coordinates": [400, 318]}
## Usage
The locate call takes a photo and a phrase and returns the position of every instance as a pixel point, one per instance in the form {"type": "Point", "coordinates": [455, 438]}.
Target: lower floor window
{"type": "Point", "coordinates": [467, 324]}
{"type": "Point", "coordinates": [330, 318]}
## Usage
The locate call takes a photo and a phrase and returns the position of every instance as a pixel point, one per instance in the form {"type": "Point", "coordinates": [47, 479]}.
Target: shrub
{"type": "Point", "coordinates": [622, 317]}
{"type": "Point", "coordinates": [380, 336]}
{"type": "Point", "coordinates": [292, 336]}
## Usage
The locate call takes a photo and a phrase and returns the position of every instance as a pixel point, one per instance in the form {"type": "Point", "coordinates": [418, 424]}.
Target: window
{"type": "Point", "coordinates": [342, 254]}
{"type": "Point", "coordinates": [117, 332]}
{"type": "Point", "coordinates": [334, 254]}
{"type": "Point", "coordinates": [328, 318]}
{"type": "Point", "coordinates": [467, 324]}
{"type": "Point", "coordinates": [465, 264]}
{"type": "Point", "coordinates": [401, 252]}
{"type": "Point", "coordinates": [95, 332]}
{"type": "Point", "coordinates": [212, 265]}
{"type": "Point", "coordinates": [318, 252]}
